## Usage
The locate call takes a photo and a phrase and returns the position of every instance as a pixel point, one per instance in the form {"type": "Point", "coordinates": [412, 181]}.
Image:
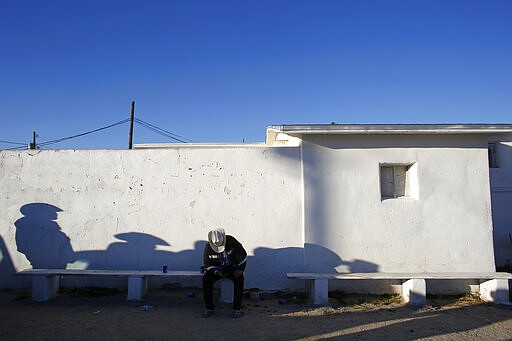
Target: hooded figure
{"type": "Point", "coordinates": [224, 257]}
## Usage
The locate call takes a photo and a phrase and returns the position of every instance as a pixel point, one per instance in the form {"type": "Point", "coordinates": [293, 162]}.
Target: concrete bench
{"type": "Point", "coordinates": [45, 282]}
{"type": "Point", "coordinates": [493, 285]}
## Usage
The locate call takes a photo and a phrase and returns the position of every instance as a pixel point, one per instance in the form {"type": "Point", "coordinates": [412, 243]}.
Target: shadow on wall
{"type": "Point", "coordinates": [7, 270]}
{"type": "Point", "coordinates": [138, 251]}
{"type": "Point", "coordinates": [271, 265]}
{"type": "Point", "coordinates": [320, 259]}
{"type": "Point", "coordinates": [501, 203]}
{"type": "Point", "coordinates": [40, 238]}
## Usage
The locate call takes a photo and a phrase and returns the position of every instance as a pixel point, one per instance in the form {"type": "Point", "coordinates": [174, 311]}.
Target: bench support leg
{"type": "Point", "coordinates": [319, 290]}
{"type": "Point", "coordinates": [226, 291]}
{"type": "Point", "coordinates": [414, 291]}
{"type": "Point", "coordinates": [495, 290]}
{"type": "Point", "coordinates": [44, 287]}
{"type": "Point", "coordinates": [137, 287]}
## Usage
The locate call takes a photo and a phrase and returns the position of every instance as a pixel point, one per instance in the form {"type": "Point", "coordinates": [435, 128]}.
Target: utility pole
{"type": "Point", "coordinates": [130, 144]}
{"type": "Point", "coordinates": [32, 145]}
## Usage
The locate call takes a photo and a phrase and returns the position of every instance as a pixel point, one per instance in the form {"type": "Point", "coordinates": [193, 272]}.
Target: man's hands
{"type": "Point", "coordinates": [237, 273]}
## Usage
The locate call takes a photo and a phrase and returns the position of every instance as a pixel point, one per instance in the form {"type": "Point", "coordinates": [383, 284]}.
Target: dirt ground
{"type": "Point", "coordinates": [175, 313]}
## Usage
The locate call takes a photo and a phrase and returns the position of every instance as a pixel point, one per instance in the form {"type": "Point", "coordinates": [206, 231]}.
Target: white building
{"type": "Point", "coordinates": [359, 198]}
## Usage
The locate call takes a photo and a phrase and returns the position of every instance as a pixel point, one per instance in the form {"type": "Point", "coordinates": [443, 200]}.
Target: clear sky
{"type": "Point", "coordinates": [222, 71]}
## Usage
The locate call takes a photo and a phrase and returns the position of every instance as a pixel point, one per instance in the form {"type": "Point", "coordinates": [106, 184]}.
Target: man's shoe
{"type": "Point", "coordinates": [207, 313]}
{"type": "Point", "coordinates": [237, 314]}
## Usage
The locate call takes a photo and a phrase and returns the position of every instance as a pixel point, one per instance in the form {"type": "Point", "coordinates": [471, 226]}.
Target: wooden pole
{"type": "Point", "coordinates": [33, 144]}
{"type": "Point", "coordinates": [130, 140]}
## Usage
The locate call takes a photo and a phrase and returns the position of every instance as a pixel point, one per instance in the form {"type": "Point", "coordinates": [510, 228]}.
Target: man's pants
{"type": "Point", "coordinates": [209, 279]}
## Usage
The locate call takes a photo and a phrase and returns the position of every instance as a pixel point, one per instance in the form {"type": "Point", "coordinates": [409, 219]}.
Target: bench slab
{"type": "Point", "coordinates": [401, 275]}
{"type": "Point", "coordinates": [45, 282]}
{"type": "Point", "coordinates": [87, 272]}
{"type": "Point", "coordinates": [494, 286]}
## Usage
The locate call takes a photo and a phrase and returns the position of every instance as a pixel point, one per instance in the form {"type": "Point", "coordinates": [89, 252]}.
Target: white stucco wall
{"type": "Point", "coordinates": [139, 209]}
{"type": "Point", "coordinates": [316, 207]}
{"type": "Point", "coordinates": [349, 228]}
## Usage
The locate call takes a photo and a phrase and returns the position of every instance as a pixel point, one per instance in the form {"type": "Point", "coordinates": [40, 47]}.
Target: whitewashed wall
{"type": "Point", "coordinates": [349, 228]}
{"type": "Point", "coordinates": [140, 209]}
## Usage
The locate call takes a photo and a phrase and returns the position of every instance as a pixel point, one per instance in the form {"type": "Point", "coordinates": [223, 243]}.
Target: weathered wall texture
{"type": "Point", "coordinates": [140, 209]}
{"type": "Point", "coordinates": [448, 228]}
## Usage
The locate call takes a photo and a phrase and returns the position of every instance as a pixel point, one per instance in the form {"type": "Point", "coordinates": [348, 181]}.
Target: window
{"type": "Point", "coordinates": [398, 180]}
{"type": "Point", "coordinates": [492, 156]}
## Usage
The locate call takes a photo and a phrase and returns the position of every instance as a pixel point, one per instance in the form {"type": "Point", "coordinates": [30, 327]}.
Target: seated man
{"type": "Point", "coordinates": [224, 257]}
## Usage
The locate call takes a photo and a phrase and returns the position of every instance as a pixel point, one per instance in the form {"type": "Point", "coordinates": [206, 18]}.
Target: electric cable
{"type": "Point", "coordinates": [162, 132]}
{"type": "Point", "coordinates": [159, 132]}
{"type": "Point", "coordinates": [17, 148]}
{"type": "Point", "coordinates": [9, 142]}
{"type": "Point", "coordinates": [43, 144]}
{"type": "Point", "coordinates": [143, 123]}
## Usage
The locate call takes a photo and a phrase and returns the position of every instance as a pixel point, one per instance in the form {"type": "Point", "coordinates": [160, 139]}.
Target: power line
{"type": "Point", "coordinates": [20, 146]}
{"type": "Point", "coordinates": [17, 148]}
{"type": "Point", "coordinates": [82, 134]}
{"type": "Point", "coordinates": [162, 132]}
{"type": "Point", "coordinates": [143, 123]}
{"type": "Point", "coordinates": [8, 142]}
{"type": "Point", "coordinates": [147, 126]}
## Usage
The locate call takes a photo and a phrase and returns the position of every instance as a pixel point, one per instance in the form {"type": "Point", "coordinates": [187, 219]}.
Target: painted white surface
{"type": "Point", "coordinates": [349, 228]}
{"type": "Point", "coordinates": [495, 290]}
{"type": "Point", "coordinates": [414, 291]}
{"type": "Point", "coordinates": [141, 209]}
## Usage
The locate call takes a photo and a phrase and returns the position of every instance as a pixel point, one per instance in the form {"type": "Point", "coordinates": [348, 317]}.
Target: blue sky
{"type": "Point", "coordinates": [222, 71]}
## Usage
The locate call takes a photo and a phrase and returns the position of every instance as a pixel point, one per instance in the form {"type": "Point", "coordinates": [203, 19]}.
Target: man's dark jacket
{"type": "Point", "coordinates": [234, 251]}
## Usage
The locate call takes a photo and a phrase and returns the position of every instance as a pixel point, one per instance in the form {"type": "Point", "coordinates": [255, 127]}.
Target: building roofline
{"type": "Point", "coordinates": [315, 129]}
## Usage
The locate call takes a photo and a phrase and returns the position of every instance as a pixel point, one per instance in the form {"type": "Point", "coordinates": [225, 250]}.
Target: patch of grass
{"type": "Point", "coordinates": [449, 300]}
{"type": "Point", "coordinates": [390, 299]}
{"type": "Point", "coordinates": [366, 299]}
{"type": "Point", "coordinates": [291, 297]}
{"type": "Point", "coordinates": [470, 298]}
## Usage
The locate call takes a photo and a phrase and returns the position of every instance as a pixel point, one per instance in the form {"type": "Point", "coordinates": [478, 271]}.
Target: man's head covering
{"type": "Point", "coordinates": [217, 240]}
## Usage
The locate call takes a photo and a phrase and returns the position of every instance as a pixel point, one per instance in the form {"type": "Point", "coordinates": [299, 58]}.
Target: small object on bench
{"type": "Point", "coordinates": [493, 285]}
{"type": "Point", "coordinates": [45, 282]}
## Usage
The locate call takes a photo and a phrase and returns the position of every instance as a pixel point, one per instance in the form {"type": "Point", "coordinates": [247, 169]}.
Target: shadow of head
{"type": "Point", "coordinates": [40, 211]}
{"type": "Point", "coordinates": [140, 239]}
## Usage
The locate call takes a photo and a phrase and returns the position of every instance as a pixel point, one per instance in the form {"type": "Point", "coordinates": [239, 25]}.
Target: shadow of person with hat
{"type": "Point", "coordinates": [40, 238]}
